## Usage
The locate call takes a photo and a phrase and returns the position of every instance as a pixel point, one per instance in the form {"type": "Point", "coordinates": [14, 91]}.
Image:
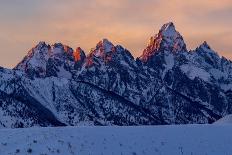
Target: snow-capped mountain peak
{"type": "Point", "coordinates": [47, 60]}
{"type": "Point", "coordinates": [36, 58]}
{"type": "Point", "coordinates": [102, 53]}
{"type": "Point", "coordinates": [106, 53]}
{"type": "Point", "coordinates": [105, 45]}
{"type": "Point", "coordinates": [205, 45]}
{"type": "Point", "coordinates": [168, 30]}
{"type": "Point", "coordinates": [41, 44]}
{"type": "Point", "coordinates": [205, 48]}
{"type": "Point", "coordinates": [102, 48]}
{"type": "Point", "coordinates": [168, 39]}
{"type": "Point", "coordinates": [61, 51]}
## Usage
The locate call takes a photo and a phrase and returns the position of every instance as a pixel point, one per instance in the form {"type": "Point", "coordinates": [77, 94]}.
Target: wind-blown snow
{"type": "Point", "coordinates": [193, 72]}
{"type": "Point", "coordinates": [143, 140]}
{"type": "Point", "coordinates": [226, 87]}
{"type": "Point", "coordinates": [169, 59]}
{"type": "Point", "coordinates": [217, 74]}
{"type": "Point", "coordinates": [64, 73]}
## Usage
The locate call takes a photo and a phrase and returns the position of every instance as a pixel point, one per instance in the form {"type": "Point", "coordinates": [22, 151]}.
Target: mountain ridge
{"type": "Point", "coordinates": [167, 84]}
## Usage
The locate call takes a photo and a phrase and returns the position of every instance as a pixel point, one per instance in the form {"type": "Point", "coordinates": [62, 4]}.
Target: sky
{"type": "Point", "coordinates": [130, 23]}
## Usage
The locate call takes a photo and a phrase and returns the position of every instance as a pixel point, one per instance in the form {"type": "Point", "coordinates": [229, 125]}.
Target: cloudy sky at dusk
{"type": "Point", "coordinates": [23, 23]}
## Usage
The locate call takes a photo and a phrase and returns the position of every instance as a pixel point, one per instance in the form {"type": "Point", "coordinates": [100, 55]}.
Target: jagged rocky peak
{"type": "Point", "coordinates": [47, 60]}
{"type": "Point", "coordinates": [102, 52]}
{"type": "Point", "coordinates": [41, 44]}
{"type": "Point", "coordinates": [168, 30]}
{"type": "Point", "coordinates": [41, 48]}
{"type": "Point", "coordinates": [105, 52]}
{"type": "Point", "coordinates": [61, 50]}
{"type": "Point", "coordinates": [205, 48]}
{"type": "Point", "coordinates": [205, 56]}
{"type": "Point", "coordinates": [79, 54]}
{"type": "Point", "coordinates": [205, 45]}
{"type": "Point", "coordinates": [43, 52]}
{"type": "Point", "coordinates": [103, 47]}
{"type": "Point", "coordinates": [35, 56]}
{"type": "Point", "coordinates": [167, 39]}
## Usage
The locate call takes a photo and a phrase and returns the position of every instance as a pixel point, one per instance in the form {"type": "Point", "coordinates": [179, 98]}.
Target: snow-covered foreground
{"type": "Point", "coordinates": [225, 120]}
{"type": "Point", "coordinates": [145, 140]}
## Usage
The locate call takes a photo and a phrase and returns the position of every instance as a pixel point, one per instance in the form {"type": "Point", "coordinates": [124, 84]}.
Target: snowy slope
{"type": "Point", "coordinates": [143, 140]}
{"type": "Point", "coordinates": [225, 120]}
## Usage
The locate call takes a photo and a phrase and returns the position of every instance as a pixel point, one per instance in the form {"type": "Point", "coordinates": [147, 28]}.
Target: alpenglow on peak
{"type": "Point", "coordinates": [167, 39]}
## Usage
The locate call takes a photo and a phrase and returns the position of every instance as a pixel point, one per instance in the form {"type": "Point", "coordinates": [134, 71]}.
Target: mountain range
{"type": "Point", "coordinates": [55, 85]}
